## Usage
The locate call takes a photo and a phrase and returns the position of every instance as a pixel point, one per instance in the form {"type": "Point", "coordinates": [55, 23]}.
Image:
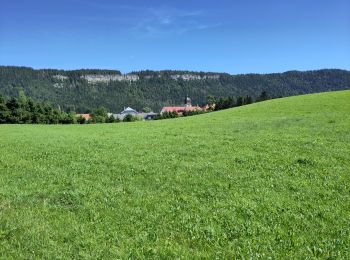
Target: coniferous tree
{"type": "Point", "coordinates": [263, 96]}
{"type": "Point", "coordinates": [4, 111]}
{"type": "Point", "coordinates": [248, 100]}
{"type": "Point", "coordinates": [239, 101]}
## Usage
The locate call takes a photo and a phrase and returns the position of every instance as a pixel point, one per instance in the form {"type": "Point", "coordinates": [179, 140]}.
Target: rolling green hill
{"type": "Point", "coordinates": [85, 90]}
{"type": "Point", "coordinates": [271, 179]}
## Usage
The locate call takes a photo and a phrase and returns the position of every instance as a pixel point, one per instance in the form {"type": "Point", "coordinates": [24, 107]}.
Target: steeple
{"type": "Point", "coordinates": [188, 102]}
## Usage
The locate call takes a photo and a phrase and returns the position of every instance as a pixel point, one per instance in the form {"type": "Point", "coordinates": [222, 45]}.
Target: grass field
{"type": "Point", "coordinates": [270, 179]}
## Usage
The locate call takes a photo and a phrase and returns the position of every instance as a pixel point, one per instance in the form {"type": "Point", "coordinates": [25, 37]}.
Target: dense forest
{"type": "Point", "coordinates": [72, 90]}
{"type": "Point", "coordinates": [23, 110]}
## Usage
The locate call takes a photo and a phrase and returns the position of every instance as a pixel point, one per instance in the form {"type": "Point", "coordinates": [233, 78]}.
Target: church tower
{"type": "Point", "coordinates": [188, 102]}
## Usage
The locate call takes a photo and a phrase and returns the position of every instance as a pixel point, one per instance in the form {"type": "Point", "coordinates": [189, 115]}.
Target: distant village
{"type": "Point", "coordinates": [23, 110]}
{"type": "Point", "coordinates": [128, 111]}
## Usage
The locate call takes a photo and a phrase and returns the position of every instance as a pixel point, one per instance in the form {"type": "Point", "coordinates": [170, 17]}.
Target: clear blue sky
{"type": "Point", "coordinates": [231, 36]}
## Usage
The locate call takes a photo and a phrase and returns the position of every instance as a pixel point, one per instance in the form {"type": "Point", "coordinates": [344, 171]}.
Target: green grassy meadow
{"type": "Point", "coordinates": [271, 179]}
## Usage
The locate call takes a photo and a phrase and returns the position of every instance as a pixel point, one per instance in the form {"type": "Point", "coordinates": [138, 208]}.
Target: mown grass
{"type": "Point", "coordinates": [270, 179]}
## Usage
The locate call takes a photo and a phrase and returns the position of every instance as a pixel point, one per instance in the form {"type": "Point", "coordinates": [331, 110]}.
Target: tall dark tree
{"type": "Point", "coordinates": [248, 100]}
{"type": "Point", "coordinates": [4, 111]}
{"type": "Point", "coordinates": [239, 101]}
{"type": "Point", "coordinates": [263, 96]}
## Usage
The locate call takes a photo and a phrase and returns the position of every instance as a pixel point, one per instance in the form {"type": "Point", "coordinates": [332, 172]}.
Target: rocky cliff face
{"type": "Point", "coordinates": [60, 77]}
{"type": "Point", "coordinates": [107, 78]}
{"type": "Point", "coordinates": [97, 78]}
{"type": "Point", "coordinates": [193, 77]}
{"type": "Point", "coordinates": [185, 77]}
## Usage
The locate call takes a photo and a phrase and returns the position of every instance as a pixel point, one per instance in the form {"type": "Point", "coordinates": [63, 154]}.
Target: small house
{"type": "Point", "coordinates": [85, 116]}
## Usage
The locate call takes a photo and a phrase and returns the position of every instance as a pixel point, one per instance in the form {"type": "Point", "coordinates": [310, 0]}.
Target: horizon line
{"type": "Point", "coordinates": [179, 70]}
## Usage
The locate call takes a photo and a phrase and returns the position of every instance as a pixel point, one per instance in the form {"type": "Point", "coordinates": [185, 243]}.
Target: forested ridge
{"type": "Point", "coordinates": [70, 91]}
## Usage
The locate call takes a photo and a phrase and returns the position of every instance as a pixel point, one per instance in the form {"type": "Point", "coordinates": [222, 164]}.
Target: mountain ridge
{"type": "Point", "coordinates": [85, 89]}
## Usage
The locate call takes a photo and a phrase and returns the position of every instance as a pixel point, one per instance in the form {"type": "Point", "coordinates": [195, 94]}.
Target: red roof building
{"type": "Point", "coordinates": [188, 107]}
{"type": "Point", "coordinates": [179, 110]}
{"type": "Point", "coordinates": [86, 116]}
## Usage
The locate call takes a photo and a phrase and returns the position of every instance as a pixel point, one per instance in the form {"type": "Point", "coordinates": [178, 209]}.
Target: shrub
{"type": "Point", "coordinates": [130, 118]}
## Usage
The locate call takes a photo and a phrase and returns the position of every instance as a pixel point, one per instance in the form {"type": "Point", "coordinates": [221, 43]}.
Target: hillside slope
{"type": "Point", "coordinates": [84, 90]}
{"type": "Point", "coordinates": [270, 179]}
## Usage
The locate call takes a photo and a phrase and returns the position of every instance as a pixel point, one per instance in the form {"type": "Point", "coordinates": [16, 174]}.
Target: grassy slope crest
{"type": "Point", "coordinates": [270, 179]}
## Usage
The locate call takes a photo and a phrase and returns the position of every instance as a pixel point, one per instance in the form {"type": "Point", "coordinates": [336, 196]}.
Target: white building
{"type": "Point", "coordinates": [133, 112]}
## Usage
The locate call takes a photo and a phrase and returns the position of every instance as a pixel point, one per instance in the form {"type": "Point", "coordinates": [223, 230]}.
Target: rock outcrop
{"type": "Point", "coordinates": [60, 77]}
{"type": "Point", "coordinates": [106, 78]}
{"type": "Point", "coordinates": [193, 77]}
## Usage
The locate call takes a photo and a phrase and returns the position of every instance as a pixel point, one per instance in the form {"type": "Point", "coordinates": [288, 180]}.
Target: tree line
{"type": "Point", "coordinates": [229, 102]}
{"type": "Point", "coordinates": [24, 110]}
{"type": "Point", "coordinates": [216, 104]}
